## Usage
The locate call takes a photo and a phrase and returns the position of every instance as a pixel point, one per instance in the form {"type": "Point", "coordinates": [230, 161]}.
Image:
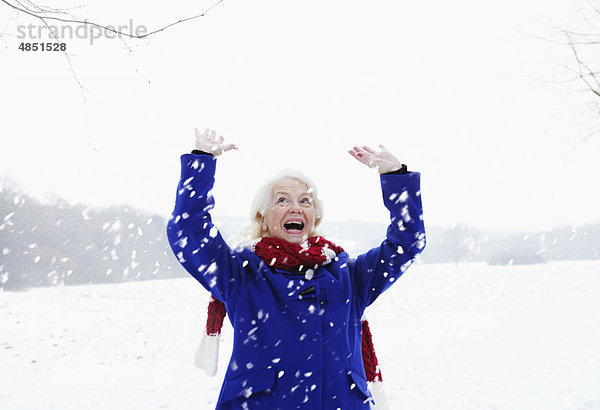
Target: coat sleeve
{"type": "Point", "coordinates": [373, 272]}
{"type": "Point", "coordinates": [194, 239]}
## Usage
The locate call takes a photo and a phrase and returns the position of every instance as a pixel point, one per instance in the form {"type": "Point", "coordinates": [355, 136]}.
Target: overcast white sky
{"type": "Point", "coordinates": [454, 89]}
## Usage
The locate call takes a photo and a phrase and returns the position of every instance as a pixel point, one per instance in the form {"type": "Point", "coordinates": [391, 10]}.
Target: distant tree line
{"type": "Point", "coordinates": [65, 244]}
{"type": "Point", "coordinates": [463, 244]}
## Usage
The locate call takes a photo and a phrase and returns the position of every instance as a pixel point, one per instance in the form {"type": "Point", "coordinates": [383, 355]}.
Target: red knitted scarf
{"type": "Point", "coordinates": [289, 256]}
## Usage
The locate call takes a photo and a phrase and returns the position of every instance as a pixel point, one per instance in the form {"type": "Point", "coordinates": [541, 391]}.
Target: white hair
{"type": "Point", "coordinates": [264, 196]}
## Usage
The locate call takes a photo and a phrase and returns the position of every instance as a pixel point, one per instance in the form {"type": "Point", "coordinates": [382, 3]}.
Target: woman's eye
{"type": "Point", "coordinates": [281, 200]}
{"type": "Point", "coordinates": [305, 201]}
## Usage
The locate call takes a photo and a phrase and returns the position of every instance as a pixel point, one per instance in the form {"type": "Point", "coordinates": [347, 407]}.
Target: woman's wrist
{"type": "Point", "coordinates": [200, 152]}
{"type": "Point", "coordinates": [401, 171]}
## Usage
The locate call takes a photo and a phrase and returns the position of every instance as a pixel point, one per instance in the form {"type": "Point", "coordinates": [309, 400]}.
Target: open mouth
{"type": "Point", "coordinates": [293, 226]}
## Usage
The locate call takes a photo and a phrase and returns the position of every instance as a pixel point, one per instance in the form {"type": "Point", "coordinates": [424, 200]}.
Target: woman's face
{"type": "Point", "coordinates": [290, 215]}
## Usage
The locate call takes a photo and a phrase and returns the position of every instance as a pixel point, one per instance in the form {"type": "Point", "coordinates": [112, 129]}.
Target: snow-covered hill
{"type": "Point", "coordinates": [449, 337]}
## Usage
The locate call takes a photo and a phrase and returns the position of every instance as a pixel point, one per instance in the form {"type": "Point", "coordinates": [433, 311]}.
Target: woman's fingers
{"type": "Point", "coordinates": [209, 142]}
{"type": "Point", "coordinates": [361, 152]}
{"type": "Point", "coordinates": [355, 155]}
{"type": "Point", "coordinates": [229, 147]}
{"type": "Point", "coordinates": [369, 150]}
{"type": "Point", "coordinates": [357, 152]}
{"type": "Point", "coordinates": [363, 157]}
{"type": "Point", "coordinates": [383, 161]}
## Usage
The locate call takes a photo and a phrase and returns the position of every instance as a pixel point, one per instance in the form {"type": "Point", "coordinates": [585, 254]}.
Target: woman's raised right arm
{"type": "Point", "coordinates": [194, 239]}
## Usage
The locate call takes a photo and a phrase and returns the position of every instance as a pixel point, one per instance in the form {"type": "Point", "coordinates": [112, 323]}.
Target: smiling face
{"type": "Point", "coordinates": [290, 215]}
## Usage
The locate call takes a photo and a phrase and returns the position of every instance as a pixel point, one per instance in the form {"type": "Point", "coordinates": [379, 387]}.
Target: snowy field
{"type": "Point", "coordinates": [464, 337]}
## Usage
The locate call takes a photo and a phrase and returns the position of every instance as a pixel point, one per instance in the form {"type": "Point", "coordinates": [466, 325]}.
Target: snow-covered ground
{"type": "Point", "coordinates": [449, 337]}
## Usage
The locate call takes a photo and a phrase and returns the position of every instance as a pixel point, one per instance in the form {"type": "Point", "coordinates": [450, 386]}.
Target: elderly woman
{"type": "Point", "coordinates": [295, 300]}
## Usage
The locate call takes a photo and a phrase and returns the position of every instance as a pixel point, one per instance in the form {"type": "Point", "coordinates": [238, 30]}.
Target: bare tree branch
{"type": "Point", "coordinates": [591, 73]}
{"type": "Point", "coordinates": [81, 87]}
{"type": "Point", "coordinates": [583, 42]}
{"type": "Point", "coordinates": [44, 14]}
{"type": "Point", "coordinates": [90, 23]}
{"type": "Point", "coordinates": [46, 9]}
{"type": "Point", "coordinates": [593, 7]}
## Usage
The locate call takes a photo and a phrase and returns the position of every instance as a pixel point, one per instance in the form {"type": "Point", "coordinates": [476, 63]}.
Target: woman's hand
{"type": "Point", "coordinates": [383, 161]}
{"type": "Point", "coordinates": [208, 142]}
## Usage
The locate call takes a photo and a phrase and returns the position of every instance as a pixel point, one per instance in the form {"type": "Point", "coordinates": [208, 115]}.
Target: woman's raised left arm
{"type": "Point", "coordinates": [376, 270]}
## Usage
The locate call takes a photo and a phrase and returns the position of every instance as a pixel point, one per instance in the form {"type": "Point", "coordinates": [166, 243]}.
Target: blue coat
{"type": "Point", "coordinates": [297, 342]}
